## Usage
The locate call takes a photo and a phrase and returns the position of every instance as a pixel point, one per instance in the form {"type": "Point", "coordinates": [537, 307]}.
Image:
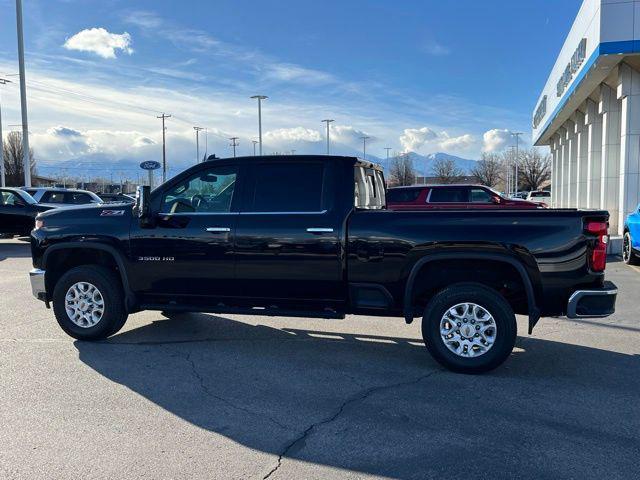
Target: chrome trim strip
{"type": "Point", "coordinates": [179, 214]}
{"type": "Point", "coordinates": [319, 230]}
{"type": "Point", "coordinates": [165, 214]}
{"type": "Point", "coordinates": [218, 229]}
{"type": "Point", "coordinates": [284, 213]}
{"type": "Point", "coordinates": [576, 296]}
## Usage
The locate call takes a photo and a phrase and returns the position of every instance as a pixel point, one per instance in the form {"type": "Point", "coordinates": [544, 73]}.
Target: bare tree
{"type": "Point", "coordinates": [14, 171]}
{"type": "Point", "coordinates": [402, 171]}
{"type": "Point", "coordinates": [446, 171]}
{"type": "Point", "coordinates": [534, 169]}
{"type": "Point", "coordinates": [488, 169]}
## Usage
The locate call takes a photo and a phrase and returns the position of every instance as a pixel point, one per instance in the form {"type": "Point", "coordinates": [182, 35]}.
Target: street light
{"type": "Point", "coordinates": [260, 98]}
{"type": "Point", "coordinates": [364, 146]}
{"type": "Point", "coordinates": [197, 129]}
{"type": "Point", "coordinates": [26, 159]}
{"type": "Point", "coordinates": [328, 121]}
{"type": "Point", "coordinates": [255, 142]}
{"type": "Point", "coordinates": [517, 135]}
{"type": "Point", "coordinates": [3, 81]}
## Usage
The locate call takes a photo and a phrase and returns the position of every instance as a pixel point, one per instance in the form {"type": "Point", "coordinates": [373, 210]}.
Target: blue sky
{"type": "Point", "coordinates": [414, 75]}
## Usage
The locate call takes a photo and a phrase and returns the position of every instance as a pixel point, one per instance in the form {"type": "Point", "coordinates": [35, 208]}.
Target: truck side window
{"type": "Point", "coordinates": [478, 195]}
{"type": "Point", "coordinates": [287, 187]}
{"type": "Point", "coordinates": [209, 191]}
{"type": "Point", "coordinates": [53, 197]}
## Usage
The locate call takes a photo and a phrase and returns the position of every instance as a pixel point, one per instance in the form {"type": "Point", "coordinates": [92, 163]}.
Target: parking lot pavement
{"type": "Point", "coordinates": [208, 396]}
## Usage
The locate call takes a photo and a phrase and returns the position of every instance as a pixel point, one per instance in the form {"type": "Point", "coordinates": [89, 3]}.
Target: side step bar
{"type": "Point", "coordinates": [266, 311]}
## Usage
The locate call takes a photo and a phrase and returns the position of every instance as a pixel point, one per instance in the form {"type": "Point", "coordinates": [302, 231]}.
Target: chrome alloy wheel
{"type": "Point", "coordinates": [468, 330]}
{"type": "Point", "coordinates": [84, 304]}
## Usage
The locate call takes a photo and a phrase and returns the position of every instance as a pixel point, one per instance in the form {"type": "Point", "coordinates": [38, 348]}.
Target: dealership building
{"type": "Point", "coordinates": [589, 112]}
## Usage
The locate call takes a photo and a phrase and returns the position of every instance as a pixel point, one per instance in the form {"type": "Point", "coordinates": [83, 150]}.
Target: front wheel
{"type": "Point", "coordinates": [469, 328]}
{"type": "Point", "coordinates": [628, 256]}
{"type": "Point", "coordinates": [88, 302]}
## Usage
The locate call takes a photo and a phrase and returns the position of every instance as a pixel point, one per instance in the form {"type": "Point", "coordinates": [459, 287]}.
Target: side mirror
{"type": "Point", "coordinates": [142, 206]}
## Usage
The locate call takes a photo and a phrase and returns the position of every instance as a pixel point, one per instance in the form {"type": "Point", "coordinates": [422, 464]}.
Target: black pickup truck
{"type": "Point", "coordinates": [311, 236]}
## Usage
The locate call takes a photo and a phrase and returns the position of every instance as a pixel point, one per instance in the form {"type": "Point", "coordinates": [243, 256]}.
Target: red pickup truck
{"type": "Point", "coordinates": [427, 197]}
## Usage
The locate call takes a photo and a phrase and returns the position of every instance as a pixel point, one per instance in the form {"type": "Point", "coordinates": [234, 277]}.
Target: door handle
{"type": "Point", "coordinates": [319, 230]}
{"type": "Point", "coordinates": [218, 229]}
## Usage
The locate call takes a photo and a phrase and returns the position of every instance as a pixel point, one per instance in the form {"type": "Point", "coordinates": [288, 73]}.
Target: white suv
{"type": "Point", "coordinates": [62, 196]}
{"type": "Point", "coordinates": [540, 196]}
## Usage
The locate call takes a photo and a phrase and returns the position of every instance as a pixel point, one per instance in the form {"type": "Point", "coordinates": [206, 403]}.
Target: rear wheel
{"type": "Point", "coordinates": [88, 302]}
{"type": "Point", "coordinates": [469, 328]}
{"type": "Point", "coordinates": [628, 256]}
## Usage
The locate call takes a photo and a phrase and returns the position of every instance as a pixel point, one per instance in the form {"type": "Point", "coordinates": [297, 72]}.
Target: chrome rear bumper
{"type": "Point", "coordinates": [37, 284]}
{"type": "Point", "coordinates": [594, 303]}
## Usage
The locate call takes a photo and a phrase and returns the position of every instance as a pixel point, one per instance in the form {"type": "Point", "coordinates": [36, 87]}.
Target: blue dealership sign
{"type": "Point", "coordinates": [150, 165]}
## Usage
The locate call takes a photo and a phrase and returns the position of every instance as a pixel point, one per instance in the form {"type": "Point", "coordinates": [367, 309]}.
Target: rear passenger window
{"type": "Point", "coordinates": [53, 197]}
{"type": "Point", "coordinates": [478, 195]}
{"type": "Point", "coordinates": [448, 195]}
{"type": "Point", "coordinates": [403, 195]}
{"type": "Point", "coordinates": [287, 187]}
{"type": "Point", "coordinates": [79, 198]}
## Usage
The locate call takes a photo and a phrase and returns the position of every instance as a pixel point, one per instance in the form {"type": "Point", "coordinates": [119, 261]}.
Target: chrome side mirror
{"type": "Point", "coordinates": [142, 206]}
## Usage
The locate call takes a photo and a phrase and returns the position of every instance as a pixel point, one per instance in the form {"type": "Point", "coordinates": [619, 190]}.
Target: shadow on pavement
{"type": "Point", "coordinates": [380, 405]}
{"type": "Point", "coordinates": [14, 250]}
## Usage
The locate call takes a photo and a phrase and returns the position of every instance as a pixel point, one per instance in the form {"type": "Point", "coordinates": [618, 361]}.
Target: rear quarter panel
{"type": "Point", "coordinates": [383, 246]}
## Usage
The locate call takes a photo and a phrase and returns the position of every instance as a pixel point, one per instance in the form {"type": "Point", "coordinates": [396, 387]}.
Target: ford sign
{"type": "Point", "coordinates": [150, 165]}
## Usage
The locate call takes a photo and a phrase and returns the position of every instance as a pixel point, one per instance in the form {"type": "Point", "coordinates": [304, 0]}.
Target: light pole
{"type": "Point", "coordinates": [364, 146]}
{"type": "Point", "coordinates": [517, 135]}
{"type": "Point", "coordinates": [260, 98]}
{"type": "Point", "coordinates": [3, 81]}
{"type": "Point", "coordinates": [328, 121]}
{"type": "Point", "coordinates": [197, 129]}
{"type": "Point", "coordinates": [26, 159]}
{"type": "Point", "coordinates": [164, 147]}
{"type": "Point", "coordinates": [234, 144]}
{"type": "Point", "coordinates": [255, 142]}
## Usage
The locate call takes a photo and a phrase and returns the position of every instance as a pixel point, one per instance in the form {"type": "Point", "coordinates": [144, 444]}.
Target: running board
{"type": "Point", "coordinates": [263, 311]}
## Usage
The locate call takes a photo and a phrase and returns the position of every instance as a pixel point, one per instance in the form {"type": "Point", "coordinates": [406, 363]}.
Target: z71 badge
{"type": "Point", "coordinates": [111, 213]}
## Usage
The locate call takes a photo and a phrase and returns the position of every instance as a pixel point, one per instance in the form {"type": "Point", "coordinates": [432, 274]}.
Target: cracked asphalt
{"type": "Point", "coordinates": [235, 397]}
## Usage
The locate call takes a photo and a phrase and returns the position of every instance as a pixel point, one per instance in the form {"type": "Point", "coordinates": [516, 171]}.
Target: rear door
{"type": "Point", "coordinates": [288, 248]}
{"type": "Point", "coordinates": [448, 197]}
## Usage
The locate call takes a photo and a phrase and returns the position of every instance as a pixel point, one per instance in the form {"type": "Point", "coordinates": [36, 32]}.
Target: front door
{"type": "Point", "coordinates": [188, 255]}
{"type": "Point", "coordinates": [288, 241]}
{"type": "Point", "coordinates": [15, 217]}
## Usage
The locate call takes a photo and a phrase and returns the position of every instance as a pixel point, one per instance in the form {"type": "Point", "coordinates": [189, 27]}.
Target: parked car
{"type": "Point", "coordinates": [18, 211]}
{"type": "Point", "coordinates": [116, 197]}
{"type": "Point", "coordinates": [520, 195]}
{"type": "Point", "coordinates": [426, 197]}
{"type": "Point", "coordinates": [543, 196]}
{"type": "Point", "coordinates": [631, 238]}
{"type": "Point", "coordinates": [62, 196]}
{"type": "Point", "coordinates": [310, 236]}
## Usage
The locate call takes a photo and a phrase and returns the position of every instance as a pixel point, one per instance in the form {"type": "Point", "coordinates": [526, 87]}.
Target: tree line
{"type": "Point", "coordinates": [534, 170]}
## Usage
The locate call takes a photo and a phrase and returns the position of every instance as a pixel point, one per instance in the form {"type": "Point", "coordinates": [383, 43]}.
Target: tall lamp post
{"type": "Point", "coordinates": [328, 121]}
{"type": "Point", "coordinates": [26, 159]}
{"type": "Point", "coordinates": [517, 135]}
{"type": "Point", "coordinates": [260, 98]}
{"type": "Point", "coordinates": [3, 81]}
{"type": "Point", "coordinates": [197, 129]}
{"type": "Point", "coordinates": [364, 146]}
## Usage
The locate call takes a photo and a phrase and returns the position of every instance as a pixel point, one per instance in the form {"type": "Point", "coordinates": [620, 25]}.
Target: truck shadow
{"type": "Point", "coordinates": [14, 249]}
{"type": "Point", "coordinates": [380, 405]}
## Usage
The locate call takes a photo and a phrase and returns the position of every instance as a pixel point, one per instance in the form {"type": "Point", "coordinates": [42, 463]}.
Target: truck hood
{"type": "Point", "coordinates": [95, 212]}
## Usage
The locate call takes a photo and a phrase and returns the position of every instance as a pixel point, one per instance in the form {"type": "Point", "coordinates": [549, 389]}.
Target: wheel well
{"type": "Point", "coordinates": [500, 276]}
{"type": "Point", "coordinates": [61, 261]}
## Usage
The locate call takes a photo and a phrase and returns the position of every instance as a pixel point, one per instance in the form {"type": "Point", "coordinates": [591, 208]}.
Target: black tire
{"type": "Point", "coordinates": [108, 284]}
{"type": "Point", "coordinates": [492, 302]}
{"type": "Point", "coordinates": [628, 256]}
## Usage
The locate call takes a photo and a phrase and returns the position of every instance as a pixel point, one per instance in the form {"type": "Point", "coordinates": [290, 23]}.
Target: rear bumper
{"type": "Point", "coordinates": [596, 302]}
{"type": "Point", "coordinates": [37, 284]}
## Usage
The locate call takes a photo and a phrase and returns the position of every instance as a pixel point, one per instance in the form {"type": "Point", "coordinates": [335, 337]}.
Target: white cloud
{"type": "Point", "coordinates": [495, 139]}
{"type": "Point", "coordinates": [349, 135]}
{"type": "Point", "coordinates": [415, 139]}
{"type": "Point", "coordinates": [289, 135]}
{"type": "Point", "coordinates": [100, 41]}
{"type": "Point", "coordinates": [436, 49]}
{"type": "Point", "coordinates": [288, 72]}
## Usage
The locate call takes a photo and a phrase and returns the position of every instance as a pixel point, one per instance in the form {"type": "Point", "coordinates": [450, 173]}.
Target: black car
{"type": "Point", "coordinates": [18, 211]}
{"type": "Point", "coordinates": [311, 236]}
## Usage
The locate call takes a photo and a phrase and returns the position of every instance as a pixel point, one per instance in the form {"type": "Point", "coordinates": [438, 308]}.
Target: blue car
{"type": "Point", "coordinates": [631, 240]}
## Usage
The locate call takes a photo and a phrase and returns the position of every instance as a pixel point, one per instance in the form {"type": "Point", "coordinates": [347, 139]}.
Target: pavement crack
{"type": "Point", "coordinates": [196, 374]}
{"type": "Point", "coordinates": [358, 397]}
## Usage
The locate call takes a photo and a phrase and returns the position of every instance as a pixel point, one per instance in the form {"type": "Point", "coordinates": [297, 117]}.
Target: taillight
{"type": "Point", "coordinates": [598, 259]}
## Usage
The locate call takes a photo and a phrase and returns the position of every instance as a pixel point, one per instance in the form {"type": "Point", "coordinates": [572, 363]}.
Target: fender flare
{"type": "Point", "coordinates": [130, 298]}
{"type": "Point", "coordinates": [533, 311]}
